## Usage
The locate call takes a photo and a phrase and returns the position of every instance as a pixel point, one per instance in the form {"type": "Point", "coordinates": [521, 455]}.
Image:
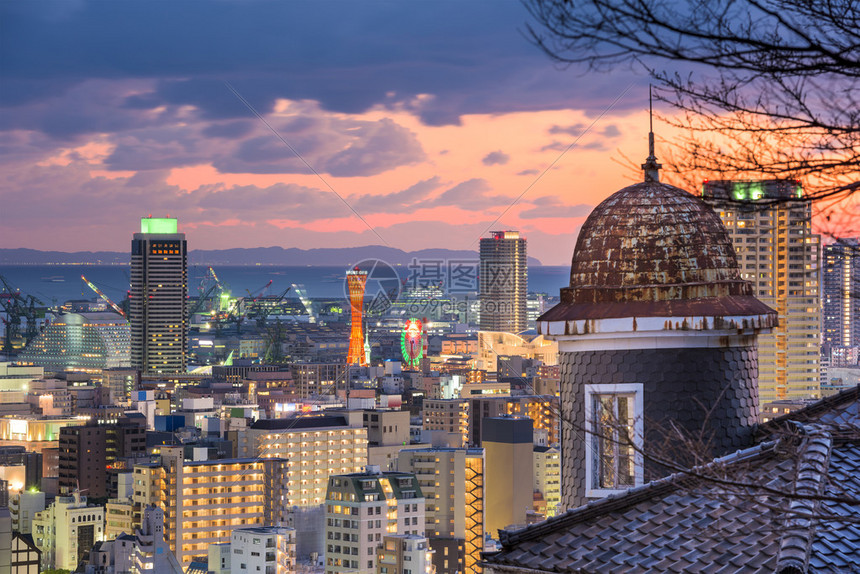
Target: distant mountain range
{"type": "Point", "coordinates": [333, 256]}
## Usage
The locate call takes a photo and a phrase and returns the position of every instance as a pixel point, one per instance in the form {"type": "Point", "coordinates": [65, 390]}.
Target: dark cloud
{"type": "Point", "coordinates": [472, 194]}
{"type": "Point", "coordinates": [377, 147]}
{"type": "Point", "coordinates": [589, 144]}
{"type": "Point", "coordinates": [496, 158]}
{"type": "Point", "coordinates": [267, 154]}
{"type": "Point", "coordinates": [596, 145]}
{"type": "Point", "coordinates": [229, 130]}
{"type": "Point", "coordinates": [34, 195]}
{"type": "Point", "coordinates": [287, 201]}
{"type": "Point", "coordinates": [147, 178]}
{"type": "Point", "coordinates": [470, 57]}
{"type": "Point", "coordinates": [555, 146]}
{"type": "Point", "coordinates": [87, 107]}
{"type": "Point", "coordinates": [548, 206]}
{"type": "Point", "coordinates": [159, 148]}
{"type": "Point", "coordinates": [611, 131]}
{"type": "Point", "coordinates": [326, 144]}
{"type": "Point", "coordinates": [37, 197]}
{"type": "Point", "coordinates": [25, 146]}
{"type": "Point", "coordinates": [342, 148]}
{"type": "Point", "coordinates": [578, 131]}
{"type": "Point", "coordinates": [405, 200]}
{"type": "Point", "coordinates": [575, 130]}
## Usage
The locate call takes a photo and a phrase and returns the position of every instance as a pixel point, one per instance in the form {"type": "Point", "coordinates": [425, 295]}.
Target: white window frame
{"type": "Point", "coordinates": [630, 389]}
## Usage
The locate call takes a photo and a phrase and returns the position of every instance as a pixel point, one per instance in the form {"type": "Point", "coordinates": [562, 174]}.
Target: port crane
{"type": "Point", "coordinates": [17, 307]}
{"type": "Point", "coordinates": [260, 310]}
{"type": "Point", "coordinates": [104, 297]}
{"type": "Point", "coordinates": [260, 292]}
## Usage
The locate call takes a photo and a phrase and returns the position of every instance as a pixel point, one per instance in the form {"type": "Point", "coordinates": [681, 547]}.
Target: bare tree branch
{"type": "Point", "coordinates": [763, 88]}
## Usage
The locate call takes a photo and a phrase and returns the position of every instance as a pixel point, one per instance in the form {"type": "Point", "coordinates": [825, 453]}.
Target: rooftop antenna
{"type": "Point", "coordinates": [651, 167]}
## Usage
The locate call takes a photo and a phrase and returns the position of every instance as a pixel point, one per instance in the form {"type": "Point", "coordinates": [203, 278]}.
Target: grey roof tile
{"type": "Point", "coordinates": [674, 525]}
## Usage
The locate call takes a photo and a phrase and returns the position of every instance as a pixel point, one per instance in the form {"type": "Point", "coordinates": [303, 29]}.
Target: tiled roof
{"type": "Point", "coordinates": [730, 516]}
{"type": "Point", "coordinates": [842, 409]}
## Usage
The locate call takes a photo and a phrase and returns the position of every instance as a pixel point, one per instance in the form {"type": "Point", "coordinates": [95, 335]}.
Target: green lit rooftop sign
{"type": "Point", "coordinates": [159, 225]}
{"type": "Point", "coordinates": [747, 191]}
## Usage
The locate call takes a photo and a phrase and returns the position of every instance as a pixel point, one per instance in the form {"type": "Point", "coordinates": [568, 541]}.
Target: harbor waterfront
{"type": "Point", "coordinates": [58, 283]}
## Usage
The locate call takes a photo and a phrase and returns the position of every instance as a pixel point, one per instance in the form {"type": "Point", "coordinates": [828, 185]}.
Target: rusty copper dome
{"type": "Point", "coordinates": [653, 242]}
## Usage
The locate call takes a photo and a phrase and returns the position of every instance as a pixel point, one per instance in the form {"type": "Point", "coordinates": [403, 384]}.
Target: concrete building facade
{"type": "Point", "coordinates": [448, 416]}
{"type": "Point", "coordinates": [404, 553]}
{"type": "Point", "coordinates": [24, 506]}
{"type": "Point", "coordinates": [204, 501]}
{"type": "Point", "coordinates": [547, 473]}
{"type": "Point", "coordinates": [67, 530]}
{"type": "Point", "coordinates": [508, 472]}
{"type": "Point", "coordinates": [263, 549]}
{"type": "Point", "coordinates": [87, 452]}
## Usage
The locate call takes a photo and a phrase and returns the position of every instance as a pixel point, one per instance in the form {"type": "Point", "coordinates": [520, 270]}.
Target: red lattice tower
{"type": "Point", "coordinates": [356, 280]}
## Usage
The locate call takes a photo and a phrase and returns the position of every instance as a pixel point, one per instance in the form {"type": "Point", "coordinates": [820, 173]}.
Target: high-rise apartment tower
{"type": "Point", "coordinates": [158, 299]}
{"type": "Point", "coordinates": [770, 228]}
{"type": "Point", "coordinates": [841, 299]}
{"type": "Point", "coordinates": [503, 282]}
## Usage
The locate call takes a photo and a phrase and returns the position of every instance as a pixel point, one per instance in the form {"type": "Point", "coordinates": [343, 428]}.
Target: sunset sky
{"type": "Point", "coordinates": [428, 119]}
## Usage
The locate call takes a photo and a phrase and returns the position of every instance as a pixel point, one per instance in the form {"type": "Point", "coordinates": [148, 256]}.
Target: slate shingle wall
{"type": "Point", "coordinates": [679, 385]}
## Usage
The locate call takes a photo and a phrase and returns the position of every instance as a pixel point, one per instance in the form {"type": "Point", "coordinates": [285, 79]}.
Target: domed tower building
{"type": "Point", "coordinates": [657, 341]}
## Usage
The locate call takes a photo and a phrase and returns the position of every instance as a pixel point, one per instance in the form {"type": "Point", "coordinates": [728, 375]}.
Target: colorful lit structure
{"type": "Point", "coordinates": [412, 343]}
{"type": "Point", "coordinates": [356, 280]}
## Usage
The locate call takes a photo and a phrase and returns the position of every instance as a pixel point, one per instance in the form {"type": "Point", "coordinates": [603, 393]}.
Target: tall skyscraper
{"type": "Point", "coordinates": [158, 300]}
{"type": "Point", "coordinates": [841, 300]}
{"type": "Point", "coordinates": [777, 252]}
{"type": "Point", "coordinates": [503, 282]}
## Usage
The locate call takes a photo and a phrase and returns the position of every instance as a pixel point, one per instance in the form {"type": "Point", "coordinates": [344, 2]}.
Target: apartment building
{"type": "Point", "coordinates": [452, 480]}
{"type": "Point", "coordinates": [404, 554]}
{"type": "Point", "coordinates": [315, 446]}
{"type": "Point", "coordinates": [204, 501]}
{"type": "Point", "coordinates": [449, 416]}
{"type": "Point", "coordinates": [263, 550]}
{"type": "Point", "coordinates": [363, 507]}
{"type": "Point", "coordinates": [771, 228]}
{"type": "Point", "coordinates": [547, 475]}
